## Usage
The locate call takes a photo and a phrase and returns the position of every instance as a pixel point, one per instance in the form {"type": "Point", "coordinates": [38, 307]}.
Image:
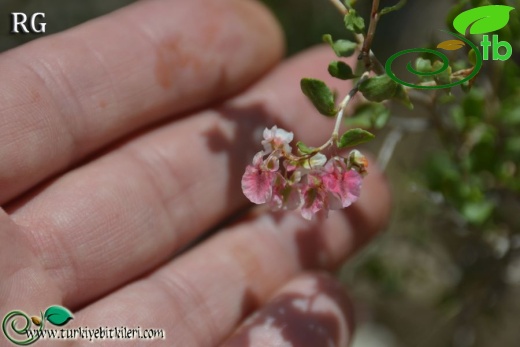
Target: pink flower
{"type": "Point", "coordinates": [358, 162]}
{"type": "Point", "coordinates": [257, 182]}
{"type": "Point", "coordinates": [314, 198]}
{"type": "Point", "coordinates": [275, 138]}
{"type": "Point", "coordinates": [311, 182]}
{"type": "Point", "coordinates": [284, 196]}
{"type": "Point", "coordinates": [330, 188]}
{"type": "Point", "coordinates": [342, 183]}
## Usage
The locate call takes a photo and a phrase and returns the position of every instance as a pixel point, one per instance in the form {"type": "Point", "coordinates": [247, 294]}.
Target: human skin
{"type": "Point", "coordinates": [122, 143]}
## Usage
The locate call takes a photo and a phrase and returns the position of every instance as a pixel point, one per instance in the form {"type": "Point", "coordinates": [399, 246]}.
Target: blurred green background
{"type": "Point", "coordinates": [407, 284]}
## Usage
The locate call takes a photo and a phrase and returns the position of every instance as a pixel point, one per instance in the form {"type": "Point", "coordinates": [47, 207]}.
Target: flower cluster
{"type": "Point", "coordinates": [309, 181]}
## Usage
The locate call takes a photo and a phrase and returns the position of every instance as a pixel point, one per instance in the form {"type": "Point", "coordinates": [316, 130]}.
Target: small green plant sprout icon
{"type": "Point", "coordinates": [56, 315]}
{"type": "Point", "coordinates": [482, 20]}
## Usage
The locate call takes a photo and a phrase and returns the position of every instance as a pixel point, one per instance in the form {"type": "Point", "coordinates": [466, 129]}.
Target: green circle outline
{"type": "Point", "coordinates": [476, 69]}
{"type": "Point", "coordinates": [22, 331]}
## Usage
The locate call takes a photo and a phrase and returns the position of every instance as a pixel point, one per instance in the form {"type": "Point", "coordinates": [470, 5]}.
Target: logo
{"type": "Point", "coordinates": [477, 21]}
{"type": "Point", "coordinates": [56, 315]}
{"type": "Point", "coordinates": [19, 25]}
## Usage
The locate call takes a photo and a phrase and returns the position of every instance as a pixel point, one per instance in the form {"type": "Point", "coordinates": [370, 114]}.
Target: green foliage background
{"type": "Point", "coordinates": [447, 272]}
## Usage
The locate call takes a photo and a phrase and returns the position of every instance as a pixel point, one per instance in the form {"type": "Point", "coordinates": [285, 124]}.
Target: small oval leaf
{"type": "Point", "coordinates": [57, 315]}
{"type": "Point", "coordinates": [354, 137]}
{"type": "Point", "coordinates": [341, 70]}
{"type": "Point", "coordinates": [304, 149]}
{"type": "Point", "coordinates": [483, 19]}
{"type": "Point", "coordinates": [320, 95]}
{"type": "Point", "coordinates": [354, 22]}
{"type": "Point", "coordinates": [342, 48]}
{"type": "Point", "coordinates": [368, 115]}
{"type": "Point", "coordinates": [378, 88]}
{"type": "Point", "coordinates": [444, 77]}
{"type": "Point", "coordinates": [423, 65]}
{"type": "Point", "coordinates": [451, 45]}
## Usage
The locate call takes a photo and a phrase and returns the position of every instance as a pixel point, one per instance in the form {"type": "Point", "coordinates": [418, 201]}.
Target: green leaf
{"type": "Point", "coordinates": [58, 315]}
{"type": "Point", "coordinates": [483, 19]}
{"type": "Point", "coordinates": [445, 76]}
{"type": "Point", "coordinates": [320, 95]}
{"type": "Point", "coordinates": [354, 23]}
{"type": "Point", "coordinates": [350, 3]}
{"type": "Point", "coordinates": [396, 7]}
{"type": "Point", "coordinates": [381, 118]}
{"type": "Point", "coordinates": [354, 137]}
{"type": "Point", "coordinates": [423, 65]}
{"type": "Point", "coordinates": [342, 48]}
{"type": "Point", "coordinates": [378, 88]}
{"type": "Point", "coordinates": [477, 212]}
{"type": "Point", "coordinates": [304, 149]}
{"type": "Point", "coordinates": [402, 95]}
{"type": "Point", "coordinates": [363, 120]}
{"type": "Point", "coordinates": [369, 115]}
{"type": "Point", "coordinates": [341, 70]}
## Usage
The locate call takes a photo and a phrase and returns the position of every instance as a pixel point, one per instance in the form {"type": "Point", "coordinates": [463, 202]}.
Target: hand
{"type": "Point", "coordinates": [122, 144]}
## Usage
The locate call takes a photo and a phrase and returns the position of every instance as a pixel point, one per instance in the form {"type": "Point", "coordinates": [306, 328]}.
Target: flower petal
{"type": "Point", "coordinates": [316, 161]}
{"type": "Point", "coordinates": [257, 184]}
{"type": "Point", "coordinates": [275, 138]}
{"type": "Point", "coordinates": [351, 187]}
{"type": "Point", "coordinates": [346, 186]}
{"type": "Point", "coordinates": [314, 200]}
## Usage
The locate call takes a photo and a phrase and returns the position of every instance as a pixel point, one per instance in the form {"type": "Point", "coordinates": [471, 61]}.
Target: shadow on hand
{"type": "Point", "coordinates": [298, 319]}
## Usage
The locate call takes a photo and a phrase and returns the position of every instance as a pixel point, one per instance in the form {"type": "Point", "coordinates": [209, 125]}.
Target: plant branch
{"type": "Point", "coordinates": [377, 67]}
{"type": "Point", "coordinates": [368, 56]}
{"type": "Point", "coordinates": [396, 7]}
{"type": "Point", "coordinates": [344, 103]}
{"type": "Point", "coordinates": [339, 5]}
{"type": "Point", "coordinates": [367, 42]}
{"type": "Point", "coordinates": [388, 147]}
{"type": "Point", "coordinates": [401, 126]}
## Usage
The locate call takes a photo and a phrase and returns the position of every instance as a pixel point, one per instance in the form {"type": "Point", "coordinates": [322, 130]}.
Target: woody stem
{"type": "Point", "coordinates": [343, 105]}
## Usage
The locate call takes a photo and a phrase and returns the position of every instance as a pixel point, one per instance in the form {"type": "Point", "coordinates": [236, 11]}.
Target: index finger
{"type": "Point", "coordinates": [67, 95]}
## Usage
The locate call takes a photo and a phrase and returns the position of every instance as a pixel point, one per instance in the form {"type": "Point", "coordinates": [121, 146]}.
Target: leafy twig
{"type": "Point", "coordinates": [375, 65]}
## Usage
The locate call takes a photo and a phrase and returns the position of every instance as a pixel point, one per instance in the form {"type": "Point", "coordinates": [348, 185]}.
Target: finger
{"type": "Point", "coordinates": [215, 285]}
{"type": "Point", "coordinates": [112, 220]}
{"type": "Point", "coordinates": [312, 310]}
{"type": "Point", "coordinates": [72, 93]}
{"type": "Point", "coordinates": [24, 285]}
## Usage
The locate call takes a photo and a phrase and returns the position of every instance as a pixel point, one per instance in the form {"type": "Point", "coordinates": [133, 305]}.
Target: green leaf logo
{"type": "Point", "coordinates": [58, 315]}
{"type": "Point", "coordinates": [482, 20]}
